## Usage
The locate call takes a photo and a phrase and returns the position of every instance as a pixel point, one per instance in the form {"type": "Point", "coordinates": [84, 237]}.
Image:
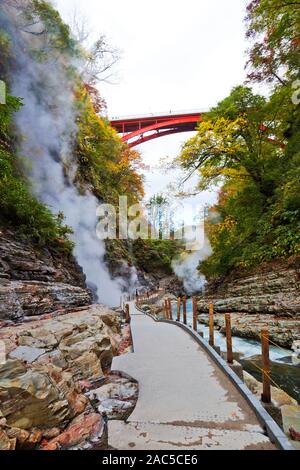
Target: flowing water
{"type": "Point", "coordinates": [284, 372]}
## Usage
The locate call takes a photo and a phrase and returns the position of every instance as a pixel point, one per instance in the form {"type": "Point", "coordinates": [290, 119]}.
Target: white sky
{"type": "Point", "coordinates": [176, 55]}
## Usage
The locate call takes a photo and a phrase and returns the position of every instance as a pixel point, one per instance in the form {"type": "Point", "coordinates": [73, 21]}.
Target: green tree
{"type": "Point", "coordinates": [249, 146]}
{"type": "Point", "coordinates": [274, 29]}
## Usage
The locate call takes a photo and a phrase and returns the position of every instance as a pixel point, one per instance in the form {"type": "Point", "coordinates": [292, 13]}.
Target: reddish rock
{"type": "Point", "coordinates": [5, 442]}
{"type": "Point", "coordinates": [80, 431]}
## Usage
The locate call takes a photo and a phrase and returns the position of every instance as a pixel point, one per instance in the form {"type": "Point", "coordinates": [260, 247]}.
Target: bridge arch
{"type": "Point", "coordinates": [137, 130]}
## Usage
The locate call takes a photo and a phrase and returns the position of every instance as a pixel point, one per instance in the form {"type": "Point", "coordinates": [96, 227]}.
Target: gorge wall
{"type": "Point", "coordinates": [35, 281]}
{"type": "Point", "coordinates": [268, 296]}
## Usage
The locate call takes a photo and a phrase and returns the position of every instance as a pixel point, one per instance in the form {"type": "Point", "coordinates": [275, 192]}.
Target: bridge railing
{"type": "Point", "coordinates": [159, 114]}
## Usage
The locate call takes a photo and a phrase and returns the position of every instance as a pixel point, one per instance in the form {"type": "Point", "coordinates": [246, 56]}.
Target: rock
{"type": "Point", "coordinates": [272, 289]}
{"type": "Point", "coordinates": [33, 398]}
{"type": "Point", "coordinates": [27, 354]}
{"type": "Point", "coordinates": [282, 331]}
{"type": "Point", "coordinates": [21, 260]}
{"type": "Point", "coordinates": [25, 440]}
{"type": "Point", "coordinates": [41, 382]}
{"type": "Point", "coordinates": [121, 389]}
{"type": "Point", "coordinates": [173, 285]}
{"type": "Point", "coordinates": [296, 355]}
{"type": "Point", "coordinates": [33, 298]}
{"type": "Point", "coordinates": [85, 431]}
{"type": "Point", "coordinates": [36, 281]}
{"type": "Point", "coordinates": [56, 344]}
{"type": "Point", "coordinates": [291, 423]}
{"type": "Point", "coordinates": [116, 409]}
{"type": "Point", "coordinates": [117, 398]}
{"type": "Point", "coordinates": [5, 442]}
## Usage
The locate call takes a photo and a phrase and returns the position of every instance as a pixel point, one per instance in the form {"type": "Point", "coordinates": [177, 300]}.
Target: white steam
{"type": "Point", "coordinates": [47, 124]}
{"type": "Point", "coordinates": [186, 268]}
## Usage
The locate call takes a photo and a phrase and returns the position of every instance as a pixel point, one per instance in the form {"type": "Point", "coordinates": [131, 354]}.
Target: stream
{"type": "Point", "coordinates": [248, 351]}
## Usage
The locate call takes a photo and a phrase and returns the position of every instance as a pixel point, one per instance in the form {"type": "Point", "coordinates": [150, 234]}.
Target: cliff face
{"type": "Point", "coordinates": [268, 297]}
{"type": "Point", "coordinates": [37, 281]}
{"type": "Point", "coordinates": [272, 289]}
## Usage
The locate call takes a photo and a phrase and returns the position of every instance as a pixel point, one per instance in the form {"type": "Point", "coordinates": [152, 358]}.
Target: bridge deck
{"type": "Point", "coordinates": [185, 400]}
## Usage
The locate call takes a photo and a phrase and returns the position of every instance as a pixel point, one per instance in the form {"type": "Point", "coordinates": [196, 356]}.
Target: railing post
{"type": "Point", "coordinates": [178, 308]}
{"type": "Point", "coordinates": [170, 310]}
{"type": "Point", "coordinates": [184, 310]}
{"type": "Point", "coordinates": [211, 325]}
{"type": "Point", "coordinates": [127, 314]}
{"type": "Point", "coordinates": [228, 339]}
{"type": "Point", "coordinates": [266, 395]}
{"type": "Point", "coordinates": [166, 309]}
{"type": "Point", "coordinates": [195, 313]}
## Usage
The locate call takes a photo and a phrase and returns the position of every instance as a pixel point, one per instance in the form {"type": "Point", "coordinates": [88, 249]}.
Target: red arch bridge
{"type": "Point", "coordinates": [136, 129]}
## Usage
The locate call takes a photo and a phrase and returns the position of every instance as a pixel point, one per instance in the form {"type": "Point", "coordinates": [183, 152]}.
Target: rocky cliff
{"type": "Point", "coordinates": [35, 281]}
{"type": "Point", "coordinates": [268, 296]}
{"type": "Point", "coordinates": [56, 350]}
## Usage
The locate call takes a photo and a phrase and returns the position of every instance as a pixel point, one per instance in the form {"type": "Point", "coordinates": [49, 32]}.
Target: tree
{"type": "Point", "coordinates": [274, 29]}
{"type": "Point", "coordinates": [38, 18]}
{"type": "Point", "coordinates": [239, 145]}
{"type": "Point", "coordinates": [99, 56]}
{"type": "Point", "coordinates": [158, 213]}
{"type": "Point", "coordinates": [231, 143]}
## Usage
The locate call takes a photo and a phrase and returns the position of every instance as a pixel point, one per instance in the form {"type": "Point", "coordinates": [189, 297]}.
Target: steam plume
{"type": "Point", "coordinates": [186, 268]}
{"type": "Point", "coordinates": [47, 124]}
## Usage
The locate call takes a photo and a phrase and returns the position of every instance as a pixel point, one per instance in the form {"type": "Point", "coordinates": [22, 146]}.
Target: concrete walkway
{"type": "Point", "coordinates": [185, 400]}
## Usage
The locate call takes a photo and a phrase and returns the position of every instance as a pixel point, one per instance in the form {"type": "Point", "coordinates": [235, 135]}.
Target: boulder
{"type": "Point", "coordinates": [34, 397]}
{"type": "Point", "coordinates": [48, 360]}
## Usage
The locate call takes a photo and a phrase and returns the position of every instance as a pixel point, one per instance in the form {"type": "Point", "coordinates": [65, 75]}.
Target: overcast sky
{"type": "Point", "coordinates": [176, 55]}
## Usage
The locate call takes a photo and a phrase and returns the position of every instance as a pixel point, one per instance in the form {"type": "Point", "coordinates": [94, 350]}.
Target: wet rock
{"type": "Point", "coordinates": [84, 432]}
{"type": "Point", "coordinates": [117, 399]}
